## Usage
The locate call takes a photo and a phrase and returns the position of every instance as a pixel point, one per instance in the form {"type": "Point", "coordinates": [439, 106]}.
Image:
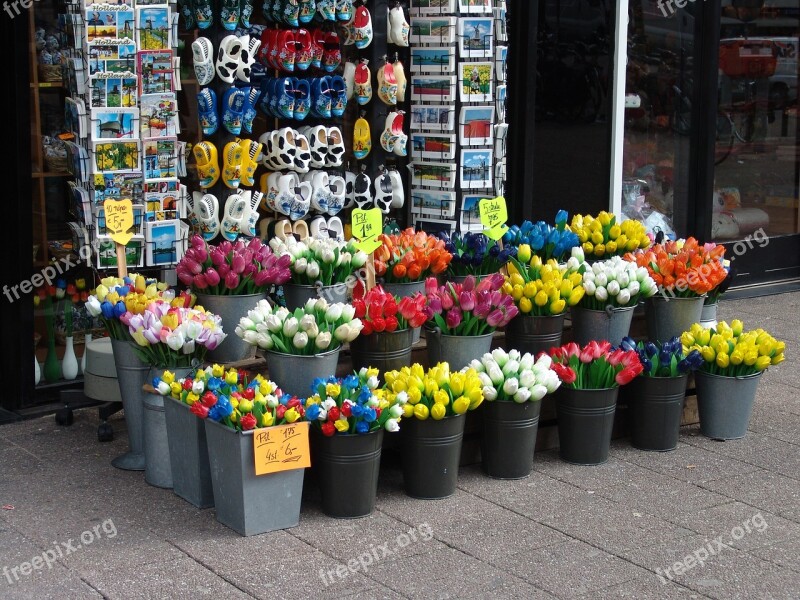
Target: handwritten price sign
{"type": "Point", "coordinates": [119, 220]}
{"type": "Point", "coordinates": [281, 448]}
{"type": "Point", "coordinates": [367, 225]}
{"type": "Point", "coordinates": [494, 215]}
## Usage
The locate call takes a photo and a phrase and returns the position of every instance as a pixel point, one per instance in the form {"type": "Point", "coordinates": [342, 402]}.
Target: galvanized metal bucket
{"type": "Point", "coordinates": [670, 317]}
{"type": "Point", "coordinates": [231, 309]}
{"type": "Point", "coordinates": [585, 422]}
{"type": "Point", "coordinates": [534, 334]}
{"type": "Point", "coordinates": [295, 374]}
{"type": "Point", "coordinates": [347, 468]}
{"type": "Point", "coordinates": [401, 290]}
{"type": "Point", "coordinates": [431, 455]}
{"type": "Point", "coordinates": [456, 350]}
{"type": "Point", "coordinates": [509, 438]}
{"type": "Point", "coordinates": [131, 376]}
{"type": "Point", "coordinates": [725, 404]}
{"type": "Point", "coordinates": [656, 408]}
{"type": "Point", "coordinates": [297, 295]}
{"type": "Point", "coordinates": [247, 503]}
{"type": "Point", "coordinates": [188, 454]}
{"type": "Point", "coordinates": [386, 351]}
{"type": "Point", "coordinates": [708, 317]}
{"type": "Point", "coordinates": [157, 466]}
{"type": "Point", "coordinates": [612, 324]}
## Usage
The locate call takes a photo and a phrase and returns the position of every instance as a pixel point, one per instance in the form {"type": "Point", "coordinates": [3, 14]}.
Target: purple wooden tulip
{"type": "Point", "coordinates": [250, 269]}
{"type": "Point", "coordinates": [453, 317]}
{"type": "Point", "coordinates": [238, 263]}
{"type": "Point", "coordinates": [200, 281]}
{"type": "Point", "coordinates": [468, 286]}
{"type": "Point", "coordinates": [248, 255]}
{"type": "Point", "coordinates": [200, 254]}
{"type": "Point", "coordinates": [223, 270]}
{"type": "Point", "coordinates": [225, 247]}
{"type": "Point", "coordinates": [447, 301]}
{"type": "Point", "coordinates": [283, 262]}
{"type": "Point", "coordinates": [466, 300]}
{"type": "Point", "coordinates": [212, 276]}
{"type": "Point", "coordinates": [262, 278]}
{"type": "Point", "coordinates": [197, 241]}
{"type": "Point", "coordinates": [495, 318]}
{"type": "Point", "coordinates": [184, 275]}
{"type": "Point", "coordinates": [217, 257]}
{"type": "Point", "coordinates": [435, 304]}
{"type": "Point", "coordinates": [232, 281]}
{"type": "Point", "coordinates": [255, 244]}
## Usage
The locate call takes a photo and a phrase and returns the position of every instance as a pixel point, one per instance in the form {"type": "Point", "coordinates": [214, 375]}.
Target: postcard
{"type": "Point", "coordinates": [433, 203]}
{"type": "Point", "coordinates": [113, 92]}
{"type": "Point", "coordinates": [160, 158]}
{"type": "Point", "coordinates": [161, 200]}
{"type": "Point", "coordinates": [154, 30]}
{"type": "Point", "coordinates": [433, 174]}
{"type": "Point", "coordinates": [470, 214]}
{"type": "Point", "coordinates": [107, 253]}
{"type": "Point", "coordinates": [433, 30]}
{"type": "Point", "coordinates": [475, 125]}
{"type": "Point", "coordinates": [475, 37]}
{"type": "Point", "coordinates": [116, 156]}
{"type": "Point", "coordinates": [117, 186]}
{"type": "Point", "coordinates": [75, 117]}
{"type": "Point", "coordinates": [476, 168]}
{"type": "Point", "coordinates": [433, 59]}
{"type": "Point", "coordinates": [432, 7]}
{"type": "Point", "coordinates": [477, 81]}
{"type": "Point", "coordinates": [109, 25]}
{"type": "Point", "coordinates": [136, 230]}
{"type": "Point", "coordinates": [433, 118]}
{"type": "Point", "coordinates": [116, 124]}
{"type": "Point", "coordinates": [438, 146]}
{"type": "Point", "coordinates": [158, 115]}
{"type": "Point", "coordinates": [163, 246]}
{"type": "Point", "coordinates": [433, 88]}
{"type": "Point", "coordinates": [475, 7]}
{"type": "Point", "coordinates": [156, 72]}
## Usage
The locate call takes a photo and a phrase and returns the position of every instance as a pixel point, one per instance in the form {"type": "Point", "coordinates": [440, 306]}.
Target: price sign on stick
{"type": "Point", "coordinates": [494, 215]}
{"type": "Point", "coordinates": [281, 448]}
{"type": "Point", "coordinates": [119, 222]}
{"type": "Point", "coordinates": [367, 225]}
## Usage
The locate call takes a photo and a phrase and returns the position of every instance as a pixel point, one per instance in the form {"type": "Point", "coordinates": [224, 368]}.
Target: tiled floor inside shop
{"type": "Point", "coordinates": [611, 531]}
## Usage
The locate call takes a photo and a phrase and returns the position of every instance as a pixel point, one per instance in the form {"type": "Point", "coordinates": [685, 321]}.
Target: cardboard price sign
{"type": "Point", "coordinates": [281, 448]}
{"type": "Point", "coordinates": [367, 225]}
{"type": "Point", "coordinates": [494, 215]}
{"type": "Point", "coordinates": [119, 220]}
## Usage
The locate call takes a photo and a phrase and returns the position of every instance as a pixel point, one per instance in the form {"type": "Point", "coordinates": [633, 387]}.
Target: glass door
{"type": "Point", "coordinates": [756, 197]}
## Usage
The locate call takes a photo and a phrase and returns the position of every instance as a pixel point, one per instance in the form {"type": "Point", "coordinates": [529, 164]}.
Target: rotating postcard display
{"type": "Point", "coordinates": [458, 127]}
{"type": "Point", "coordinates": [123, 114]}
{"type": "Point", "coordinates": [302, 118]}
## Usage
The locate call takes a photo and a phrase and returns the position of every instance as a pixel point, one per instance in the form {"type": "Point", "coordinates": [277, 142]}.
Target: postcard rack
{"type": "Point", "coordinates": [458, 94]}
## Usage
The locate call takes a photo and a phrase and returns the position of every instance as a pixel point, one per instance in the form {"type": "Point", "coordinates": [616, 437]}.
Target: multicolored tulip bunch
{"type": "Point", "coordinates": [232, 398]}
{"type": "Point", "coordinates": [232, 269]}
{"type": "Point", "coordinates": [729, 350]}
{"type": "Point", "coordinates": [169, 337]}
{"type": "Point", "coordinates": [353, 405]}
{"type": "Point", "coordinates": [319, 260]}
{"type": "Point", "coordinates": [116, 296]}
{"type": "Point", "coordinates": [595, 366]}
{"type": "Point", "coordinates": [512, 376]}
{"type": "Point", "coordinates": [410, 256]}
{"type": "Point", "coordinates": [683, 268]}
{"type": "Point", "coordinates": [663, 359]}
{"type": "Point", "coordinates": [614, 282]}
{"type": "Point", "coordinates": [380, 311]}
{"type": "Point", "coordinates": [541, 239]}
{"type": "Point", "coordinates": [542, 288]}
{"type": "Point", "coordinates": [314, 328]}
{"type": "Point", "coordinates": [474, 254]}
{"type": "Point", "coordinates": [602, 236]}
{"type": "Point", "coordinates": [468, 309]}
{"type": "Point", "coordinates": [436, 393]}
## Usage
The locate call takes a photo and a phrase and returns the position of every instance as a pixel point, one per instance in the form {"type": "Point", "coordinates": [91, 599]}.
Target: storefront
{"type": "Point", "coordinates": [686, 118]}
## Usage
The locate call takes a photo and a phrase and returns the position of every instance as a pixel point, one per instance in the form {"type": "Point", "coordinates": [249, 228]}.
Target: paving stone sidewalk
{"type": "Point", "coordinates": [609, 531]}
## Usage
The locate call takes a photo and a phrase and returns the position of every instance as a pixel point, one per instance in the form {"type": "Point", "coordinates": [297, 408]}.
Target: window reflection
{"type": "Point", "coordinates": [756, 176]}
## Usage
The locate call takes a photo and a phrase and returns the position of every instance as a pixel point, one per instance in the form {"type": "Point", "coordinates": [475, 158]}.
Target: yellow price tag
{"type": "Point", "coordinates": [119, 220]}
{"type": "Point", "coordinates": [281, 448]}
{"type": "Point", "coordinates": [494, 215]}
{"type": "Point", "coordinates": [366, 226]}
